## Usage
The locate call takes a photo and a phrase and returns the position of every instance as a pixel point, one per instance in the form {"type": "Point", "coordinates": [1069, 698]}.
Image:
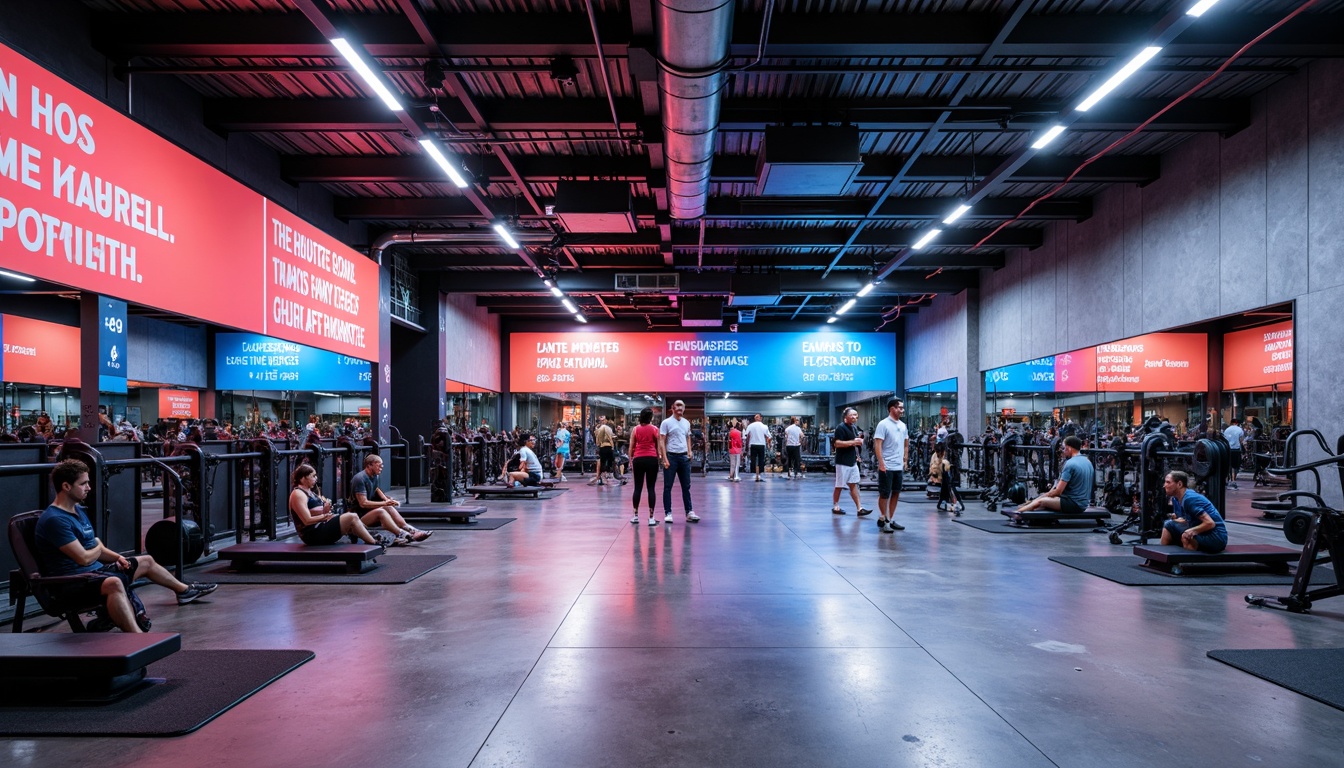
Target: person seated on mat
{"type": "Point", "coordinates": [529, 466]}
{"type": "Point", "coordinates": [1073, 491]}
{"type": "Point", "coordinates": [64, 545]}
{"type": "Point", "coordinates": [375, 508]}
{"type": "Point", "coordinates": [1194, 522]}
{"type": "Point", "coordinates": [316, 523]}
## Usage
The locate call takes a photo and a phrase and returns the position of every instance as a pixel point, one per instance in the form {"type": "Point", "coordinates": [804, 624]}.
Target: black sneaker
{"type": "Point", "coordinates": [204, 589]}
{"type": "Point", "coordinates": [189, 596]}
{"type": "Point", "coordinates": [895, 526]}
{"type": "Point", "coordinates": [863, 512]}
{"type": "Point", "coordinates": [383, 539]}
{"type": "Point", "coordinates": [142, 621]}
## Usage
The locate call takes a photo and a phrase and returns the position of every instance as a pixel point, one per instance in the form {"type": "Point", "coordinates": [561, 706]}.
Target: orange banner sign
{"type": "Point", "coordinates": [38, 352]}
{"type": "Point", "coordinates": [179, 403]}
{"type": "Point", "coordinates": [1258, 358]}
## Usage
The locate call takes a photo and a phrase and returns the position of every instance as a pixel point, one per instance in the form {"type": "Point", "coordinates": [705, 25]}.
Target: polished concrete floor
{"type": "Point", "coordinates": [772, 633]}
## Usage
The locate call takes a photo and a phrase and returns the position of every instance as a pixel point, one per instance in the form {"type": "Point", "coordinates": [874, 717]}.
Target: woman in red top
{"type": "Point", "coordinates": [734, 451]}
{"type": "Point", "coordinates": [644, 457]}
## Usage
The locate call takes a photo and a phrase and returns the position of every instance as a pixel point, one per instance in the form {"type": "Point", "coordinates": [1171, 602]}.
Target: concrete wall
{"type": "Point", "coordinates": [1233, 224]}
{"type": "Point", "coordinates": [939, 343]}
{"type": "Point", "coordinates": [165, 353]}
{"type": "Point", "coordinates": [472, 336]}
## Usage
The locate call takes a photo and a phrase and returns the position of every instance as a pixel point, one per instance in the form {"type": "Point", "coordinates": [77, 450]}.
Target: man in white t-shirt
{"type": "Point", "coordinates": [674, 444]}
{"type": "Point", "coordinates": [758, 437]}
{"type": "Point", "coordinates": [793, 448]}
{"type": "Point", "coordinates": [889, 443]}
{"type": "Point", "coordinates": [1234, 435]}
{"type": "Point", "coordinates": [942, 432]}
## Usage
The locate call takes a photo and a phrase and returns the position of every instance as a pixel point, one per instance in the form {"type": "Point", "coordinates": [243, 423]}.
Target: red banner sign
{"type": "Point", "coordinates": [1259, 358]}
{"type": "Point", "coordinates": [91, 199]}
{"type": "Point", "coordinates": [1155, 362]}
{"type": "Point", "coordinates": [179, 403]}
{"type": "Point", "coordinates": [38, 352]}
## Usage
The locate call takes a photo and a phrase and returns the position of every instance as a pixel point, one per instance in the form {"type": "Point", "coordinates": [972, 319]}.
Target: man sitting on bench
{"type": "Point", "coordinates": [64, 544]}
{"type": "Point", "coordinates": [1194, 522]}
{"type": "Point", "coordinates": [529, 466]}
{"type": "Point", "coordinates": [1073, 491]}
{"type": "Point", "coordinates": [375, 508]}
{"type": "Point", "coordinates": [316, 523]}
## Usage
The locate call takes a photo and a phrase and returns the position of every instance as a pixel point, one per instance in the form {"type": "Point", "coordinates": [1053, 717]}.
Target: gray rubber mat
{"type": "Point", "coordinates": [1129, 570]}
{"type": "Point", "coordinates": [1317, 673]}
{"type": "Point", "coordinates": [390, 569]}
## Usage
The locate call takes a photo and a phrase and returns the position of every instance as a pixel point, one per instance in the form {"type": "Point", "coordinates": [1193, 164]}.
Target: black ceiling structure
{"type": "Point", "coordinates": [526, 97]}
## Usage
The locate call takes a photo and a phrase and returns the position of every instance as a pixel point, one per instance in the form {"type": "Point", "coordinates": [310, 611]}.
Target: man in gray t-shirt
{"type": "Point", "coordinates": [1072, 493]}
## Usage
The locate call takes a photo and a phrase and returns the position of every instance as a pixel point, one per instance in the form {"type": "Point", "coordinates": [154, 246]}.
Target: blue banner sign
{"type": "Point", "coordinates": [111, 345]}
{"type": "Point", "coordinates": [1032, 376]}
{"type": "Point", "coordinates": [252, 361]}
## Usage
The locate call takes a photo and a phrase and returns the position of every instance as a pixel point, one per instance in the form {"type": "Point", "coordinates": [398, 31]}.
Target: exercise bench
{"type": "Point", "coordinates": [506, 492]}
{"type": "Point", "coordinates": [357, 558]}
{"type": "Point", "coordinates": [453, 514]}
{"type": "Point", "coordinates": [1094, 515]}
{"type": "Point", "coordinates": [78, 668]}
{"type": "Point", "coordinates": [1173, 559]}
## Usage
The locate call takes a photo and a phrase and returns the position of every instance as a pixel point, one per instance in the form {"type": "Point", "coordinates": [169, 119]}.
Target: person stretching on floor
{"type": "Point", "coordinates": [316, 523]}
{"type": "Point", "coordinates": [1195, 523]}
{"type": "Point", "coordinates": [375, 508]}
{"type": "Point", "coordinates": [1073, 491]}
{"type": "Point", "coordinates": [64, 545]}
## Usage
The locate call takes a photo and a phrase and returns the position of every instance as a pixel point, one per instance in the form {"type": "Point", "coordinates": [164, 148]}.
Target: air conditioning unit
{"type": "Point", "coordinates": [754, 290]}
{"type": "Point", "coordinates": [648, 282]}
{"type": "Point", "coordinates": [808, 161]}
{"type": "Point", "coordinates": [701, 313]}
{"type": "Point", "coordinates": [594, 206]}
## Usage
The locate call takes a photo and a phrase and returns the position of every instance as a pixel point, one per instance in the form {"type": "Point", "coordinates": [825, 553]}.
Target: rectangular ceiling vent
{"type": "Point", "coordinates": [702, 313]}
{"type": "Point", "coordinates": [595, 206]}
{"type": "Point", "coordinates": [807, 161]}
{"type": "Point", "coordinates": [648, 282]}
{"type": "Point", "coordinates": [746, 315]}
{"type": "Point", "coordinates": [755, 290]}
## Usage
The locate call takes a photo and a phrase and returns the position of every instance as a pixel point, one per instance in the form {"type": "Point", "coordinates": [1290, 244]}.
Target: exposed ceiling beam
{"type": "Point", "coordinates": [707, 283]}
{"type": "Point", "coordinates": [539, 114]}
{"type": "Point", "coordinates": [1134, 169]}
{"type": "Point", "coordinates": [800, 237]}
{"type": "Point", "coordinates": [802, 35]}
{"type": "Point", "coordinates": [738, 209]}
{"type": "Point", "coordinates": [609, 259]}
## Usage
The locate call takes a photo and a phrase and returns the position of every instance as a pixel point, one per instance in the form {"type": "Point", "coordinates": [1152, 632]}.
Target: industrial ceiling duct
{"type": "Point", "coordinates": [693, 39]}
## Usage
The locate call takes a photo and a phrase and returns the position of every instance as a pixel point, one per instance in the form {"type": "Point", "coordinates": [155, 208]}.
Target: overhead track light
{"type": "Point", "coordinates": [16, 276]}
{"type": "Point", "coordinates": [867, 289]}
{"type": "Point", "coordinates": [432, 149]}
{"type": "Point", "coordinates": [1115, 80]}
{"type": "Point", "coordinates": [926, 239]}
{"type": "Point", "coordinates": [960, 211]}
{"type": "Point", "coordinates": [504, 235]}
{"type": "Point", "coordinates": [831, 319]}
{"type": "Point", "coordinates": [557, 292]}
{"type": "Point", "coordinates": [848, 305]}
{"type": "Point", "coordinates": [580, 318]}
{"type": "Point", "coordinates": [1047, 137]}
{"type": "Point", "coordinates": [1198, 9]}
{"type": "Point", "coordinates": [357, 62]}
{"type": "Point", "coordinates": [569, 305]}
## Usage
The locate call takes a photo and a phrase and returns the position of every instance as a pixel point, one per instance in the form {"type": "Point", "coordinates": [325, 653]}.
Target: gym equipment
{"type": "Point", "coordinates": [1094, 515]}
{"type": "Point", "coordinates": [453, 514]}
{"type": "Point", "coordinates": [161, 542]}
{"type": "Point", "coordinates": [1324, 531]}
{"type": "Point", "coordinates": [506, 492]}
{"type": "Point", "coordinates": [1173, 558]}
{"type": "Point", "coordinates": [358, 558]}
{"type": "Point", "coordinates": [64, 669]}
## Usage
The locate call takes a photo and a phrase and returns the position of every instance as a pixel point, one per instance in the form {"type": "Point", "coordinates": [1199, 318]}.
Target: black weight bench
{"type": "Point", "coordinates": [1273, 509]}
{"type": "Point", "coordinates": [506, 492]}
{"type": "Point", "coordinates": [455, 515]}
{"type": "Point", "coordinates": [358, 558]}
{"type": "Point", "coordinates": [78, 668]}
{"type": "Point", "coordinates": [1172, 559]}
{"type": "Point", "coordinates": [1094, 515]}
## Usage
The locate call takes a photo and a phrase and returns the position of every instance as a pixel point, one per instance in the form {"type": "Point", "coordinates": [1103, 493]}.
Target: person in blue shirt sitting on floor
{"type": "Point", "coordinates": [1195, 523]}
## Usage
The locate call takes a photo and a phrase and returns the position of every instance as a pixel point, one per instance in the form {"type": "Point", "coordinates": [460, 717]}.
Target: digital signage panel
{"type": "Point", "coordinates": [179, 403]}
{"type": "Point", "coordinates": [38, 352]}
{"type": "Point", "coordinates": [1156, 362]}
{"type": "Point", "coordinates": [1259, 358]}
{"type": "Point", "coordinates": [250, 361]}
{"type": "Point", "coordinates": [91, 199]}
{"type": "Point", "coordinates": [1032, 376]}
{"type": "Point", "coordinates": [701, 362]}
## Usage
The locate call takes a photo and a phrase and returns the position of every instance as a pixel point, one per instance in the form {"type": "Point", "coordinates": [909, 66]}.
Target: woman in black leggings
{"type": "Point", "coordinates": [644, 457]}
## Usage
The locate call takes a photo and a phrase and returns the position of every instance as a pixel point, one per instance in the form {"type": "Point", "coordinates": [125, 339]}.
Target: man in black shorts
{"type": "Point", "coordinates": [64, 545]}
{"type": "Point", "coordinates": [1073, 491]}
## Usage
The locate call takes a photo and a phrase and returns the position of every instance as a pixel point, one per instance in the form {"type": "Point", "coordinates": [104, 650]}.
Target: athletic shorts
{"type": "Point", "coordinates": [1069, 506]}
{"type": "Point", "coordinates": [1206, 542]}
{"type": "Point", "coordinates": [846, 476]}
{"type": "Point", "coordinates": [320, 534]}
{"type": "Point", "coordinates": [532, 479]}
{"type": "Point", "coordinates": [92, 591]}
{"type": "Point", "coordinates": [889, 483]}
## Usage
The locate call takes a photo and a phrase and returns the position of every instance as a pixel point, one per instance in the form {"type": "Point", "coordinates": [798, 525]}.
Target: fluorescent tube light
{"type": "Point", "coordinates": [847, 306]}
{"type": "Point", "coordinates": [832, 319]}
{"type": "Point", "coordinates": [1115, 80]}
{"type": "Point", "coordinates": [1199, 8]}
{"type": "Point", "coordinates": [1047, 137]}
{"type": "Point", "coordinates": [580, 318]}
{"type": "Point", "coordinates": [356, 61]}
{"type": "Point", "coordinates": [506, 237]}
{"type": "Point", "coordinates": [16, 276]}
{"type": "Point", "coordinates": [433, 151]}
{"type": "Point", "coordinates": [926, 239]}
{"type": "Point", "coordinates": [961, 210]}
{"type": "Point", "coordinates": [557, 292]}
{"type": "Point", "coordinates": [569, 305]}
{"type": "Point", "coordinates": [547, 283]}
{"type": "Point", "coordinates": [867, 289]}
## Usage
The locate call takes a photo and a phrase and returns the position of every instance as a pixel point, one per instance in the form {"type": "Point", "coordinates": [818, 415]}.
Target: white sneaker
{"type": "Point", "coordinates": [691, 517]}
{"type": "Point", "coordinates": [634, 520]}
{"type": "Point", "coordinates": [564, 479]}
{"type": "Point", "coordinates": [653, 521]}
{"type": "Point", "coordinates": [668, 518]}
